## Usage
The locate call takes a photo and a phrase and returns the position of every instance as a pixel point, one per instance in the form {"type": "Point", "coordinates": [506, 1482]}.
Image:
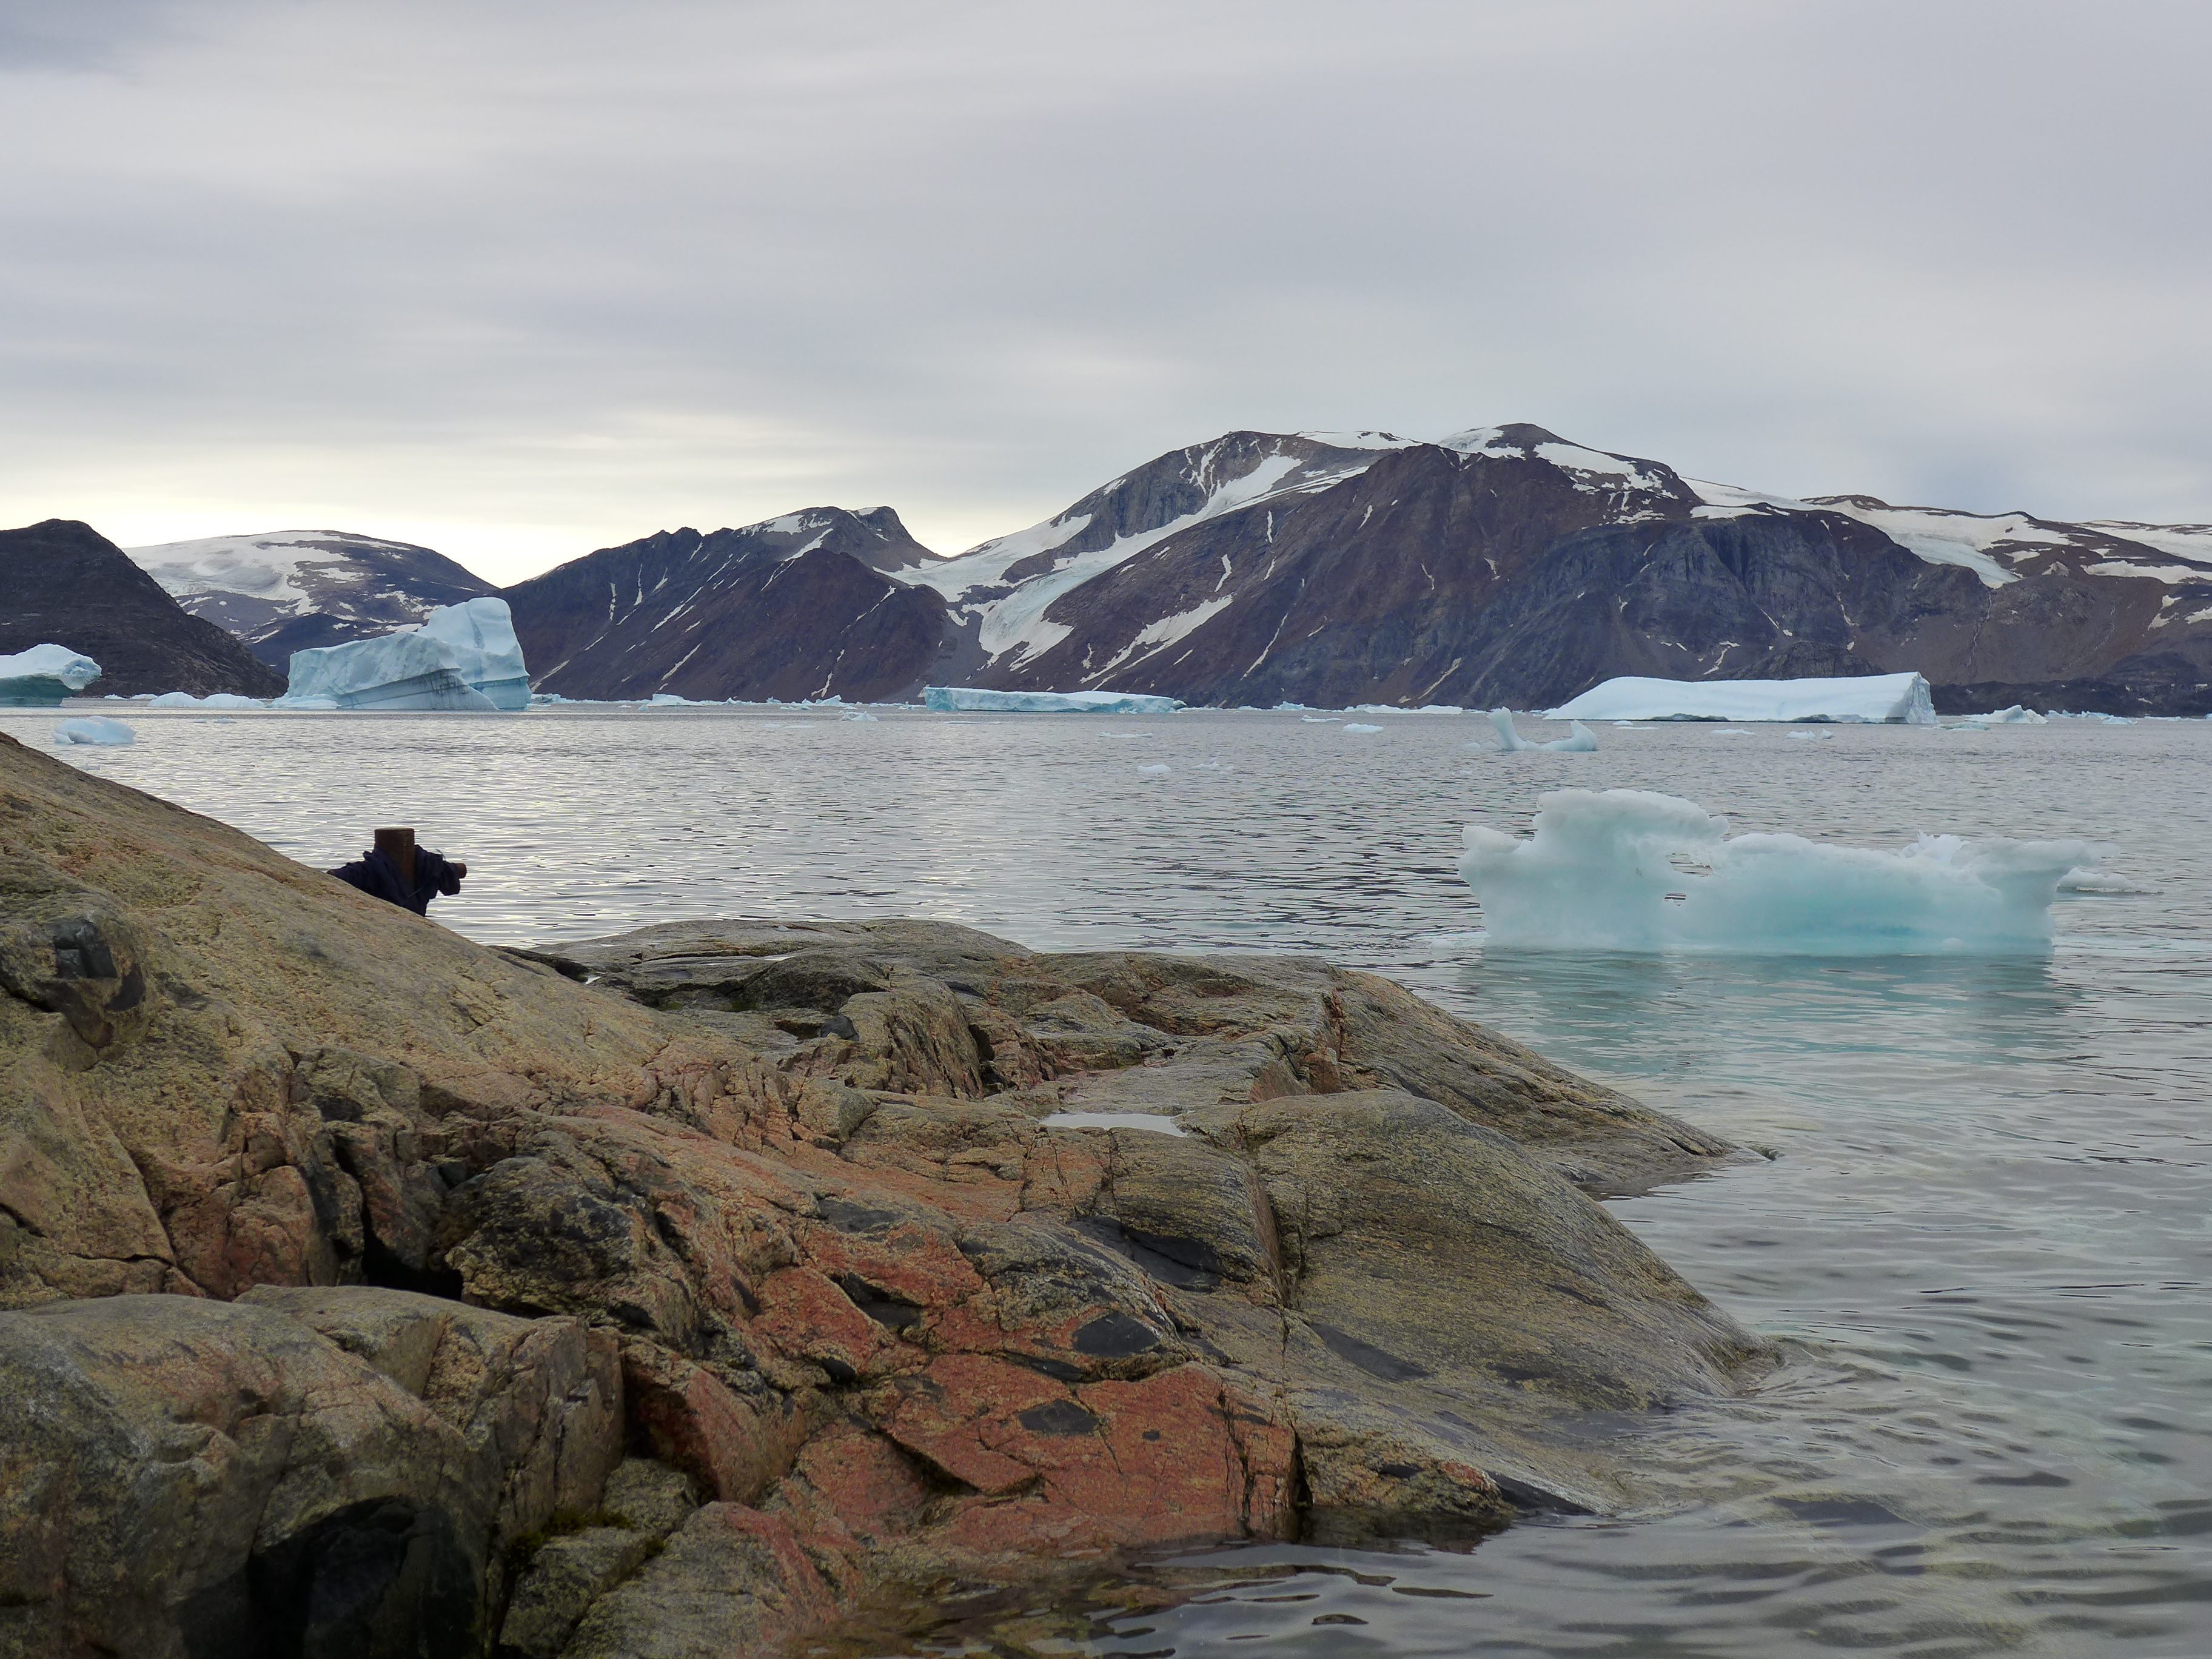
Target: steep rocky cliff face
{"type": "Point", "coordinates": [794, 608]}
{"type": "Point", "coordinates": [365, 1291]}
{"type": "Point", "coordinates": [64, 582]}
{"type": "Point", "coordinates": [290, 589]}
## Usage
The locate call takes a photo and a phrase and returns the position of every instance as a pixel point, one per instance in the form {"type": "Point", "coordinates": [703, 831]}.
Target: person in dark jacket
{"type": "Point", "coordinates": [379, 875]}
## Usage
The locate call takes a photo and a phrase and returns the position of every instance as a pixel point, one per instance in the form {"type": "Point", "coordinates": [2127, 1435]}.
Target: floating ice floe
{"type": "Point", "coordinates": [1153, 1122]}
{"type": "Point", "coordinates": [1156, 771]}
{"type": "Point", "coordinates": [2015, 715]}
{"type": "Point", "coordinates": [1354, 726]}
{"type": "Point", "coordinates": [41, 677]}
{"type": "Point", "coordinates": [462, 657]}
{"type": "Point", "coordinates": [1871, 700]}
{"type": "Point", "coordinates": [213, 700]}
{"type": "Point", "coordinates": [2102, 884]}
{"type": "Point", "coordinates": [972, 700]}
{"type": "Point", "coordinates": [857, 714]}
{"type": "Point", "coordinates": [93, 729]}
{"type": "Point", "coordinates": [1813, 737]}
{"type": "Point", "coordinates": [1579, 740]}
{"type": "Point", "coordinates": [1629, 870]}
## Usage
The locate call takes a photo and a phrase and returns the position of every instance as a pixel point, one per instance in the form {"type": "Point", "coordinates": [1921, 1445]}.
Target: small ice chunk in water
{"type": "Point", "coordinates": [213, 700]}
{"type": "Point", "coordinates": [2015, 715]}
{"type": "Point", "coordinates": [1156, 771]}
{"type": "Point", "coordinates": [856, 715]}
{"type": "Point", "coordinates": [2103, 883]}
{"type": "Point", "coordinates": [1579, 740]}
{"type": "Point", "coordinates": [1813, 737]}
{"type": "Point", "coordinates": [1630, 870]}
{"type": "Point", "coordinates": [93, 729]}
{"type": "Point", "coordinates": [1357, 728]}
{"type": "Point", "coordinates": [1149, 1120]}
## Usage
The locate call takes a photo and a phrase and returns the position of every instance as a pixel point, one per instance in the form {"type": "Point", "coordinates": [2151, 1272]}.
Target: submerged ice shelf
{"type": "Point", "coordinates": [1633, 870]}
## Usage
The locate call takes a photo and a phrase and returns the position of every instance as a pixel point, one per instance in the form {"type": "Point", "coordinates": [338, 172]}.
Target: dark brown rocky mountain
{"type": "Point", "coordinates": [289, 590]}
{"type": "Point", "coordinates": [794, 608]}
{"type": "Point", "coordinates": [63, 582]}
{"type": "Point", "coordinates": [1507, 565]}
{"type": "Point", "coordinates": [1502, 565]}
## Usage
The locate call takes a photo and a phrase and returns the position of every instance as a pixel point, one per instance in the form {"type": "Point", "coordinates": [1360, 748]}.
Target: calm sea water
{"type": "Point", "coordinates": [1985, 1238]}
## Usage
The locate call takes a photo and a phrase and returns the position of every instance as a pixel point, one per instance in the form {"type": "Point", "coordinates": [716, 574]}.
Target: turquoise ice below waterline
{"type": "Point", "coordinates": [1983, 1233]}
{"type": "Point", "coordinates": [1632, 869]}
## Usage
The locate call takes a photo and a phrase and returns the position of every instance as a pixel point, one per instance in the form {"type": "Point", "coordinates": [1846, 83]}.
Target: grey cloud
{"type": "Point", "coordinates": [529, 279]}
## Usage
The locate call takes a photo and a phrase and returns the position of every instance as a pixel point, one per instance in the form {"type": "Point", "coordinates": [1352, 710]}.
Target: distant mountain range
{"type": "Point", "coordinates": [1500, 565]}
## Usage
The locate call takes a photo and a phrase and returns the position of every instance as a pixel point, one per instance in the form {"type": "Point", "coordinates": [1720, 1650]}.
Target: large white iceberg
{"type": "Point", "coordinates": [1579, 740]}
{"type": "Point", "coordinates": [41, 677]}
{"type": "Point", "coordinates": [1629, 870]}
{"type": "Point", "coordinates": [1869, 699]}
{"type": "Point", "coordinates": [486, 652]}
{"type": "Point", "coordinates": [962, 699]}
{"type": "Point", "coordinates": [462, 657]}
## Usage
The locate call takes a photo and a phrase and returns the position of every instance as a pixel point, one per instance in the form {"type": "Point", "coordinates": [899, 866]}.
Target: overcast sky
{"type": "Point", "coordinates": [520, 280]}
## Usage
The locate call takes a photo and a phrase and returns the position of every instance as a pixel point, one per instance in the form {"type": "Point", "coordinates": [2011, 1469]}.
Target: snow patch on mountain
{"type": "Point", "coordinates": [1157, 636]}
{"type": "Point", "coordinates": [1016, 623]}
{"type": "Point", "coordinates": [279, 567]}
{"type": "Point", "coordinates": [2189, 542]}
{"type": "Point", "coordinates": [1009, 611]}
{"type": "Point", "coordinates": [1589, 466]}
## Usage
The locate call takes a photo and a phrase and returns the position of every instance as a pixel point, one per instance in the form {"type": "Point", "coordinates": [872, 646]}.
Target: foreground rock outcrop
{"type": "Point", "coordinates": [682, 1293]}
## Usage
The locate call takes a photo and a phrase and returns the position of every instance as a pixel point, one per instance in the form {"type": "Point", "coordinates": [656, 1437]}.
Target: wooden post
{"type": "Point", "coordinates": [398, 845]}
